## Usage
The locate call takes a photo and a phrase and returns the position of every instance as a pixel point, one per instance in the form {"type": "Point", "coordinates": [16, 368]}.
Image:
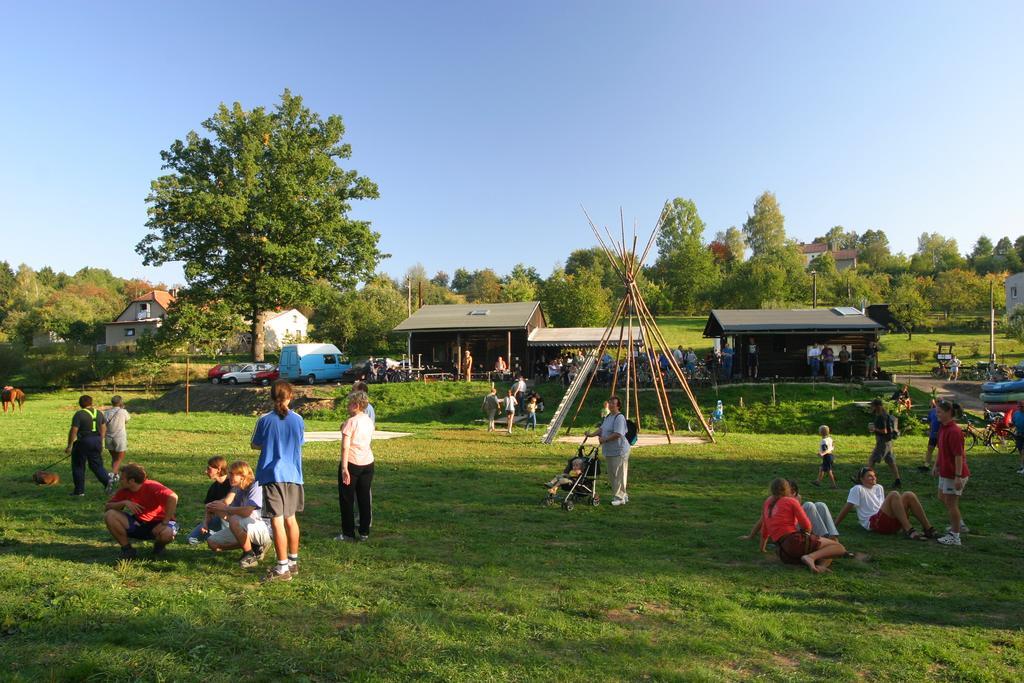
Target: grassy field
{"type": "Point", "coordinates": [467, 578]}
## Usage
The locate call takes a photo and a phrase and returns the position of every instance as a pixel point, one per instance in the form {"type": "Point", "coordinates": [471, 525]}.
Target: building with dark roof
{"type": "Point", "coordinates": [783, 337]}
{"type": "Point", "coordinates": [518, 332]}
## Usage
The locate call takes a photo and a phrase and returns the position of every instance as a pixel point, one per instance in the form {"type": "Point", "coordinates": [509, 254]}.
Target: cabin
{"type": "Point", "coordinates": [783, 337]}
{"type": "Point", "coordinates": [439, 334]}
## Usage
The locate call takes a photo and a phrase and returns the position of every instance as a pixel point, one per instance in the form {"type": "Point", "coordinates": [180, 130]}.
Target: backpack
{"type": "Point", "coordinates": [893, 426]}
{"type": "Point", "coordinates": [631, 431]}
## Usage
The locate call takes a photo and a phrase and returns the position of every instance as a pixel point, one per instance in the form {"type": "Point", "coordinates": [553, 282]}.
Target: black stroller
{"type": "Point", "coordinates": [581, 488]}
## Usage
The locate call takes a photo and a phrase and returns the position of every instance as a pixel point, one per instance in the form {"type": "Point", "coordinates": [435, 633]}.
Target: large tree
{"type": "Point", "coordinates": [907, 305]}
{"type": "Point", "coordinates": [765, 229]}
{"type": "Point", "coordinates": [258, 211]}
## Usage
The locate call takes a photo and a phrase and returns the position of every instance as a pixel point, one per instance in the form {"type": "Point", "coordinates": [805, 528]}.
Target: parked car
{"type": "Point", "coordinates": [245, 373]}
{"type": "Point", "coordinates": [265, 377]}
{"type": "Point", "coordinates": [218, 371]}
{"type": "Point", "coordinates": [311, 363]}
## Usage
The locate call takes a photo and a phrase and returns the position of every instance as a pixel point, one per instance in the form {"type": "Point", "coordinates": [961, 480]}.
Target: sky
{"type": "Point", "coordinates": [486, 125]}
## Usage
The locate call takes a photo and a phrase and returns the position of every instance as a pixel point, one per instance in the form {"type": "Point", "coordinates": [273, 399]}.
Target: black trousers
{"type": "Point", "coordinates": [357, 492]}
{"type": "Point", "coordinates": [88, 449]}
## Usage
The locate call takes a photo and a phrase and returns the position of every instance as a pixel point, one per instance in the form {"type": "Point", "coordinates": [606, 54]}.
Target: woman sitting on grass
{"type": "Point", "coordinates": [885, 514]}
{"type": "Point", "coordinates": [817, 512]}
{"type": "Point", "coordinates": [786, 523]}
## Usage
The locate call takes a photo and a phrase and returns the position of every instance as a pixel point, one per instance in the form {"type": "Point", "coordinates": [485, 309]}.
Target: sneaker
{"type": "Point", "coordinates": [964, 529]}
{"type": "Point", "coordinates": [950, 539]}
{"type": "Point", "coordinates": [274, 575]}
{"type": "Point", "coordinates": [76, 495]}
{"type": "Point", "coordinates": [128, 553]}
{"type": "Point", "coordinates": [898, 484]}
{"type": "Point", "coordinates": [364, 537]}
{"type": "Point", "coordinates": [626, 498]}
{"type": "Point", "coordinates": [293, 568]}
{"type": "Point", "coordinates": [345, 539]}
{"type": "Point", "coordinates": [192, 540]}
{"type": "Point", "coordinates": [109, 488]}
{"type": "Point", "coordinates": [619, 501]}
{"type": "Point", "coordinates": [1020, 471]}
{"type": "Point", "coordinates": [248, 560]}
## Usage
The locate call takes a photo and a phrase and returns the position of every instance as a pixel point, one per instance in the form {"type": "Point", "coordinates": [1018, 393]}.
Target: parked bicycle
{"type": "Point", "coordinates": [998, 435]}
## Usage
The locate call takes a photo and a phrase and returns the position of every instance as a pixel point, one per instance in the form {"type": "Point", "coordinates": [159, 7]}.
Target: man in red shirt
{"type": "Point", "coordinates": [142, 509]}
{"type": "Point", "coordinates": [951, 468]}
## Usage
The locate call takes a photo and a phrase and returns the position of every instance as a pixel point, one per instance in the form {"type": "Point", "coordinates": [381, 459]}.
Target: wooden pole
{"type": "Point", "coordinates": [656, 379]}
{"type": "Point", "coordinates": [604, 342]}
{"type": "Point", "coordinates": [188, 368]}
{"type": "Point", "coordinates": [659, 384]}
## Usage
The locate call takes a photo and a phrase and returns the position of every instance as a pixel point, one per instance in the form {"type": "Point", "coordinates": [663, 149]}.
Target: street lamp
{"type": "Point", "coordinates": [814, 288]}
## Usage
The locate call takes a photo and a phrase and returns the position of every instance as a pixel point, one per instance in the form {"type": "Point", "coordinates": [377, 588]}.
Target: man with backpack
{"type": "Point", "coordinates": [615, 446]}
{"type": "Point", "coordinates": [85, 444]}
{"type": "Point", "coordinates": [886, 431]}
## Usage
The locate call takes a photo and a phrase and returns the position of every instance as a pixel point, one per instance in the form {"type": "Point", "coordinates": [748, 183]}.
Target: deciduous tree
{"type": "Point", "coordinates": [258, 210]}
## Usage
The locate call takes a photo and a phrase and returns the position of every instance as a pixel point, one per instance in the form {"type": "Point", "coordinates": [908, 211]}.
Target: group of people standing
{"type": "Point", "coordinates": [246, 508]}
{"type": "Point", "coordinates": [822, 360]}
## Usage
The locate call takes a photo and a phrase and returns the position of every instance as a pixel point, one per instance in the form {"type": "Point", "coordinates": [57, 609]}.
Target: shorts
{"type": "Point", "coordinates": [142, 531]}
{"type": "Point", "coordinates": [946, 486]}
{"type": "Point", "coordinates": [117, 443]}
{"type": "Point", "coordinates": [882, 523]}
{"type": "Point", "coordinates": [282, 499]}
{"type": "Point", "coordinates": [826, 463]}
{"type": "Point", "coordinates": [258, 531]}
{"type": "Point", "coordinates": [933, 441]}
{"type": "Point", "coordinates": [792, 547]}
{"type": "Point", "coordinates": [883, 451]}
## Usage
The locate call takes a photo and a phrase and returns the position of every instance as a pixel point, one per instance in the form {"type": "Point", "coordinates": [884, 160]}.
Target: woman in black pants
{"type": "Point", "coordinates": [355, 472]}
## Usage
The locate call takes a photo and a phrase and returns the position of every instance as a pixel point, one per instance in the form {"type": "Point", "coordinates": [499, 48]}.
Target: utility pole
{"type": "Point", "coordinates": [814, 287]}
{"type": "Point", "coordinates": [991, 324]}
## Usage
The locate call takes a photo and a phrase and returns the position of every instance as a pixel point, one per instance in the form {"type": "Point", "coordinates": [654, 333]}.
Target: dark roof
{"type": "Point", "coordinates": [774, 321]}
{"type": "Point", "coordinates": [438, 317]}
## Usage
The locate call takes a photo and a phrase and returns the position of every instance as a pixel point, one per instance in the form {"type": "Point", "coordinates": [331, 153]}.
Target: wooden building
{"type": "Point", "coordinates": [439, 334]}
{"type": "Point", "coordinates": [783, 337]}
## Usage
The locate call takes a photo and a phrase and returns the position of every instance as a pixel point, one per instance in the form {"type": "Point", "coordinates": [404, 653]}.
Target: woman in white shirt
{"type": "Point", "coordinates": [355, 472]}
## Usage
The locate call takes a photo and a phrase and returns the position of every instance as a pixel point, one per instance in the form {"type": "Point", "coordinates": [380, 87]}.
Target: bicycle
{"type": "Point", "coordinates": [997, 435]}
{"type": "Point", "coordinates": [717, 426]}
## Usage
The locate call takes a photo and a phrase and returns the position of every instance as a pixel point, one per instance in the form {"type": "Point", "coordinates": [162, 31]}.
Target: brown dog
{"type": "Point", "coordinates": [46, 478]}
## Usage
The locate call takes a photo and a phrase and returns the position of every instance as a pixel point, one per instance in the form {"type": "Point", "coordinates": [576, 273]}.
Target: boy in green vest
{"type": "Point", "coordinates": [85, 444]}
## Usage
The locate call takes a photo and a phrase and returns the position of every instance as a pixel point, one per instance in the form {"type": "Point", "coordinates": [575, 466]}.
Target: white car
{"type": "Point", "coordinates": [244, 374]}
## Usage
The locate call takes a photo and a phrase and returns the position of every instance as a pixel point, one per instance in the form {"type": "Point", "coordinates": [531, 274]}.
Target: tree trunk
{"type": "Point", "coordinates": [258, 335]}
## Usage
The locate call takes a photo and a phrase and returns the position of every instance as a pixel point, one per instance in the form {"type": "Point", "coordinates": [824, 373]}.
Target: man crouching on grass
{"type": "Point", "coordinates": [142, 509]}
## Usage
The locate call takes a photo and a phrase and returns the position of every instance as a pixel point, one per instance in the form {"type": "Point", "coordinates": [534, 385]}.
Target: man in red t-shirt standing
{"type": "Point", "coordinates": [142, 509]}
{"type": "Point", "coordinates": [951, 467]}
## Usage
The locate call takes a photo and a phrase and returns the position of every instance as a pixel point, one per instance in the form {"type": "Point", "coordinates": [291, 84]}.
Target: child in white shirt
{"type": "Point", "coordinates": [826, 453]}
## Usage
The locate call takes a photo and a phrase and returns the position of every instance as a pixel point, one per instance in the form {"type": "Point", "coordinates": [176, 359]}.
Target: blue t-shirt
{"type": "Point", "coordinates": [250, 497]}
{"type": "Point", "coordinates": [933, 423]}
{"type": "Point", "coordinates": [371, 413]}
{"type": "Point", "coordinates": [1018, 421]}
{"type": "Point", "coordinates": [280, 443]}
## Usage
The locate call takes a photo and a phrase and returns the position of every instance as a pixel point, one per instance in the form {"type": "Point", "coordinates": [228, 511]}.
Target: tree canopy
{"type": "Point", "coordinates": [257, 211]}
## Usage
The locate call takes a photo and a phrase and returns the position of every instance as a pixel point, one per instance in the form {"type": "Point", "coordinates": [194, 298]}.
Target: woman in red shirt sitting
{"type": "Point", "coordinates": [784, 521]}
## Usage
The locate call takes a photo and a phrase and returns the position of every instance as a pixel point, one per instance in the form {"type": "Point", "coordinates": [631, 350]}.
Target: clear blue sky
{"type": "Point", "coordinates": [486, 124]}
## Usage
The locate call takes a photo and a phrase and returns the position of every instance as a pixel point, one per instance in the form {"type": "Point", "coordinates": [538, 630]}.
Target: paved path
{"type": "Point", "coordinates": [957, 390]}
{"type": "Point", "coordinates": [643, 440]}
{"type": "Point", "coordinates": [336, 436]}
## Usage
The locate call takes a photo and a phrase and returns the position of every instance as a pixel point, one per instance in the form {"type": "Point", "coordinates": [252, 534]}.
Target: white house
{"type": "Point", "coordinates": [844, 258]}
{"type": "Point", "coordinates": [284, 327]}
{"type": "Point", "coordinates": [1014, 286]}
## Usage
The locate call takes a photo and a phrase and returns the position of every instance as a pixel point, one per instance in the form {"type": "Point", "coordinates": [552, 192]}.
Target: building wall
{"type": "Point", "coordinates": [1014, 287]}
{"type": "Point", "coordinates": [117, 336]}
{"type": "Point", "coordinates": [141, 309]}
{"type": "Point", "coordinates": [284, 329]}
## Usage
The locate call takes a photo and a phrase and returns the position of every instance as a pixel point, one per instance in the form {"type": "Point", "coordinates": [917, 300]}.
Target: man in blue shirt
{"type": "Point", "coordinates": [933, 438]}
{"type": "Point", "coordinates": [1018, 426]}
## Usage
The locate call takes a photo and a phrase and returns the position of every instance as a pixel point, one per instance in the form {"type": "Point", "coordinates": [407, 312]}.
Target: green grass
{"type": "Point", "coordinates": [466, 578]}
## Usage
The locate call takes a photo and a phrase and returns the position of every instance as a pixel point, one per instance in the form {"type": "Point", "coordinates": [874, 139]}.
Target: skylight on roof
{"type": "Point", "coordinates": [847, 310]}
{"type": "Point", "coordinates": [479, 311]}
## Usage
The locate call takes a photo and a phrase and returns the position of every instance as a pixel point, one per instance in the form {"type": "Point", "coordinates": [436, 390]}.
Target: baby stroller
{"type": "Point", "coordinates": [581, 488]}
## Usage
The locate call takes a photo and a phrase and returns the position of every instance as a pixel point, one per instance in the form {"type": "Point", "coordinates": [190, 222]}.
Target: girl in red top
{"type": "Point", "coordinates": [784, 521]}
{"type": "Point", "coordinates": [951, 467]}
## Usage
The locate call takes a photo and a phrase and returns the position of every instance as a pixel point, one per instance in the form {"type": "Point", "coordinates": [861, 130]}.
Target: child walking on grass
{"type": "Point", "coordinates": [825, 452]}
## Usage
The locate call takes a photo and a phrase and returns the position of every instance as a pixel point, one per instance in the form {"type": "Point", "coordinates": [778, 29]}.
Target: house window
{"type": "Point", "coordinates": [295, 320]}
{"type": "Point", "coordinates": [129, 331]}
{"type": "Point", "coordinates": [1013, 292]}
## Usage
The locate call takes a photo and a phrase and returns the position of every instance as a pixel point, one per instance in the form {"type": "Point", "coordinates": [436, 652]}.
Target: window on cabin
{"type": "Point", "coordinates": [129, 331]}
{"type": "Point", "coordinates": [1013, 292]}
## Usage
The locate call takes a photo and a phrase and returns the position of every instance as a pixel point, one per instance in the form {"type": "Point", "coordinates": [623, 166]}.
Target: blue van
{"type": "Point", "coordinates": [311, 363]}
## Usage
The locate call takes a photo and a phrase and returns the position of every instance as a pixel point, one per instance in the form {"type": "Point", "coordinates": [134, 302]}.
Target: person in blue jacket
{"type": "Point", "coordinates": [933, 438]}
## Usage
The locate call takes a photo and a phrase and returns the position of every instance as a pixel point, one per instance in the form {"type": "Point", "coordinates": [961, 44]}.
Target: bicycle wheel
{"type": "Point", "coordinates": [1002, 443]}
{"type": "Point", "coordinates": [970, 440]}
{"type": "Point", "coordinates": [692, 425]}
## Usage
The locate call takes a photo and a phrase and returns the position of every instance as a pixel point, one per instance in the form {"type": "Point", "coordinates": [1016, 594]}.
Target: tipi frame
{"type": "Point", "coordinates": [627, 264]}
